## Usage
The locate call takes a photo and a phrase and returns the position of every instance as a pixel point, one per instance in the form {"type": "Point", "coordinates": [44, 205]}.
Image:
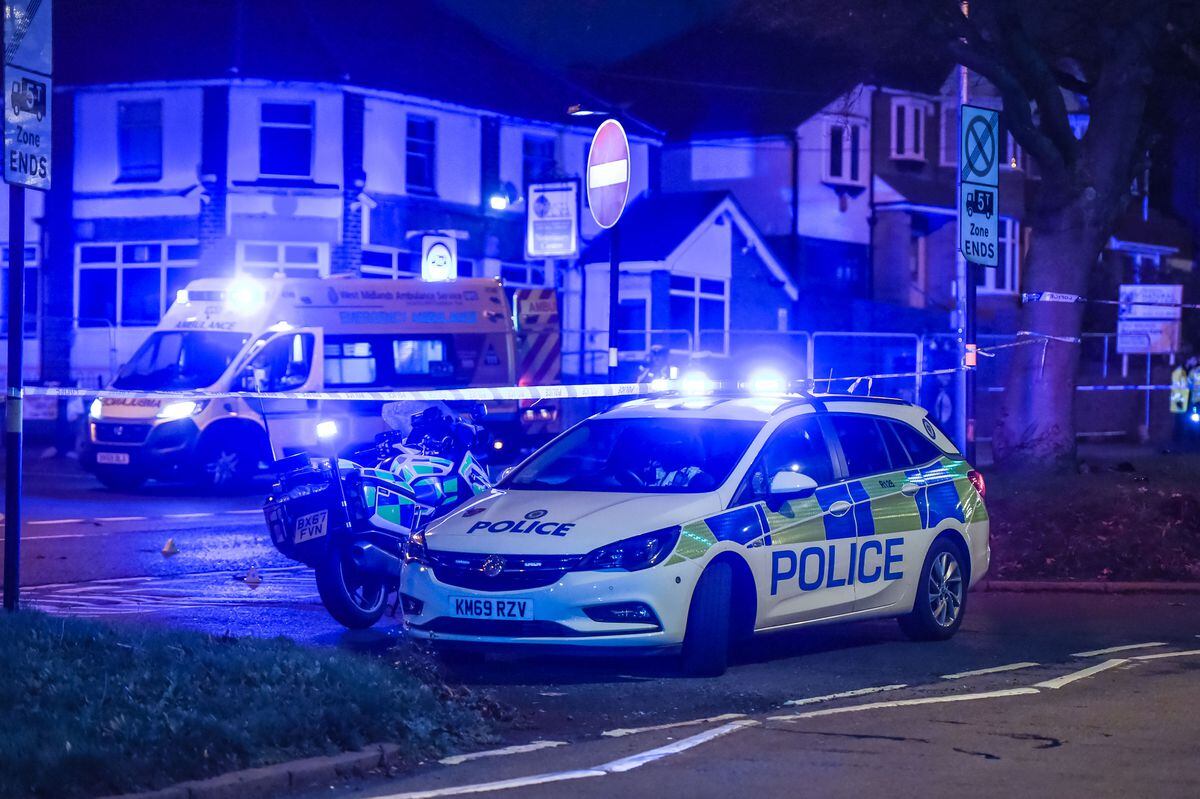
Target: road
{"type": "Point", "coordinates": [93, 553]}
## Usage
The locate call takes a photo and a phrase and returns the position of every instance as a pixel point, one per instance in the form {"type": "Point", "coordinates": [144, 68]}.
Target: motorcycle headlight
{"type": "Point", "coordinates": [414, 551]}
{"type": "Point", "coordinates": [632, 554]}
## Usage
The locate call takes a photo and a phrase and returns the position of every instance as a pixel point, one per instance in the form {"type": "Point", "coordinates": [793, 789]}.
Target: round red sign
{"type": "Point", "coordinates": [608, 173]}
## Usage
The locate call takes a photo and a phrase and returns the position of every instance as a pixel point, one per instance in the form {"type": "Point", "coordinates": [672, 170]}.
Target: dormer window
{"type": "Point", "coordinates": [844, 153]}
{"type": "Point", "coordinates": [908, 128]}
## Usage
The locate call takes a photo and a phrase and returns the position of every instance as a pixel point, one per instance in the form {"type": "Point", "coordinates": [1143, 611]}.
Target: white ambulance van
{"type": "Point", "coordinates": [291, 335]}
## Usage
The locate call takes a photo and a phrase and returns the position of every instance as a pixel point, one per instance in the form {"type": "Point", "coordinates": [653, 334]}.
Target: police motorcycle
{"type": "Point", "coordinates": [350, 518]}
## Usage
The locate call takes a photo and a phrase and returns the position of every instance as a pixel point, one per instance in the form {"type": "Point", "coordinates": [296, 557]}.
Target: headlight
{"type": "Point", "coordinates": [414, 551]}
{"type": "Point", "coordinates": [632, 554]}
{"type": "Point", "coordinates": [96, 408]}
{"type": "Point", "coordinates": [181, 409]}
{"type": "Point", "coordinates": [327, 429]}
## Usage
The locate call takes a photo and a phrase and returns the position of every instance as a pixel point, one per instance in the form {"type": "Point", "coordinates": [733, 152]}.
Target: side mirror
{"type": "Point", "coordinates": [791, 485]}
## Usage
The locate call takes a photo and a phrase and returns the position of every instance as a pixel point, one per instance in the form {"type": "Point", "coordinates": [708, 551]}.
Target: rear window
{"type": "Point", "coordinates": [920, 449]}
{"type": "Point", "coordinates": [862, 444]}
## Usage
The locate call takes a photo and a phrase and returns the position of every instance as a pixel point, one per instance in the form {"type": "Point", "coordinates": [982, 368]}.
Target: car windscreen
{"type": "Point", "coordinates": [648, 455]}
{"type": "Point", "coordinates": [180, 360]}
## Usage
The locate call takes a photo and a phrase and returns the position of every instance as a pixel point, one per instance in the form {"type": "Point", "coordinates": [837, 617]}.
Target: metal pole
{"type": "Point", "coordinates": [964, 312]}
{"type": "Point", "coordinates": [13, 406]}
{"type": "Point", "coordinates": [614, 279]}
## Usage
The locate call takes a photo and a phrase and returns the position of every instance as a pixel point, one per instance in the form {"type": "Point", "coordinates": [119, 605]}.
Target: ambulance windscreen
{"type": "Point", "coordinates": [654, 455]}
{"type": "Point", "coordinates": [180, 360]}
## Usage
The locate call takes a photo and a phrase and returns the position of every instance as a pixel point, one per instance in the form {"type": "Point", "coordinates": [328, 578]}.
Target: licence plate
{"type": "Point", "coordinates": [113, 458]}
{"type": "Point", "coordinates": [466, 607]}
{"type": "Point", "coordinates": [311, 525]}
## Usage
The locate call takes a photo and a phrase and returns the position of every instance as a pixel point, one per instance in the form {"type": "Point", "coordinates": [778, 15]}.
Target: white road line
{"type": "Point", "coordinates": [927, 700]}
{"type": "Point", "coordinates": [121, 519]}
{"type": "Point", "coordinates": [812, 700]}
{"type": "Point", "coordinates": [992, 670]}
{"type": "Point", "coordinates": [1067, 679]}
{"type": "Point", "coordinates": [51, 537]}
{"type": "Point", "coordinates": [186, 515]}
{"type": "Point", "coordinates": [1186, 653]}
{"type": "Point", "coordinates": [1111, 649]}
{"type": "Point", "coordinates": [251, 510]}
{"type": "Point", "coordinates": [54, 521]}
{"type": "Point", "coordinates": [620, 733]}
{"type": "Point", "coordinates": [533, 746]}
{"type": "Point", "coordinates": [612, 767]}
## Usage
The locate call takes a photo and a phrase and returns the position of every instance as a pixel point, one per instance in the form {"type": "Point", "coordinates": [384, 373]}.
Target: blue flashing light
{"type": "Point", "coordinates": [767, 382]}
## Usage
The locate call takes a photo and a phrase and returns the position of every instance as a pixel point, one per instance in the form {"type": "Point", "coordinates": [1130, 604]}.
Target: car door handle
{"type": "Point", "coordinates": [910, 489]}
{"type": "Point", "coordinates": [840, 508]}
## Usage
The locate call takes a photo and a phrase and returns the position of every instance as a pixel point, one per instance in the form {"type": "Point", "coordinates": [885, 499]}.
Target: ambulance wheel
{"type": "Point", "coordinates": [354, 599]}
{"type": "Point", "coordinates": [941, 595]}
{"type": "Point", "coordinates": [706, 640]}
{"type": "Point", "coordinates": [226, 463]}
{"type": "Point", "coordinates": [120, 481]}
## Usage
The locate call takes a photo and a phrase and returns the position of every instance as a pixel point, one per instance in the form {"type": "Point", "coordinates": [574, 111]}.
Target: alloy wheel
{"type": "Point", "coordinates": [945, 589]}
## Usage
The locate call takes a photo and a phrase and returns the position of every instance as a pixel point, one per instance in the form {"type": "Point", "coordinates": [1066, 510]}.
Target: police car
{"type": "Point", "coordinates": [694, 523]}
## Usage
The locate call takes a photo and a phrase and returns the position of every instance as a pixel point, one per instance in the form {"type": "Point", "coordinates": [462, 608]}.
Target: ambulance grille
{"type": "Point", "coordinates": [465, 570]}
{"type": "Point", "coordinates": [121, 433]}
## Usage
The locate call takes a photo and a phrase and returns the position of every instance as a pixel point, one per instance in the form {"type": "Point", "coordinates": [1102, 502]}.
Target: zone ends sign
{"type": "Point", "coordinates": [979, 200]}
{"type": "Point", "coordinates": [28, 91]}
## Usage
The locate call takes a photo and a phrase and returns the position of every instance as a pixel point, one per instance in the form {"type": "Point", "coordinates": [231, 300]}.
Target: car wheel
{"type": "Point", "coordinates": [354, 599]}
{"type": "Point", "coordinates": [941, 595]}
{"type": "Point", "coordinates": [706, 640]}
{"type": "Point", "coordinates": [120, 480]}
{"type": "Point", "coordinates": [225, 464]}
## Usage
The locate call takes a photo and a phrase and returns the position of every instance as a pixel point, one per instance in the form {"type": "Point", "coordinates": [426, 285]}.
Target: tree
{"type": "Point", "coordinates": [1118, 57]}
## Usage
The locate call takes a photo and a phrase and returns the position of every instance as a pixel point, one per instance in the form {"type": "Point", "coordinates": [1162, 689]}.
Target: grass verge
{"type": "Point", "coordinates": [91, 709]}
{"type": "Point", "coordinates": [1132, 517]}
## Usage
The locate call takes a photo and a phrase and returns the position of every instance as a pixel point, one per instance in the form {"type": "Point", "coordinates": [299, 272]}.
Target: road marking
{"type": "Point", "coordinates": [186, 515]}
{"type": "Point", "coordinates": [620, 733]}
{"type": "Point", "coordinates": [121, 519]}
{"type": "Point", "coordinates": [1158, 655]}
{"type": "Point", "coordinates": [507, 750]}
{"type": "Point", "coordinates": [1112, 649]}
{"type": "Point", "coordinates": [249, 510]}
{"type": "Point", "coordinates": [926, 700]}
{"type": "Point", "coordinates": [51, 537]}
{"type": "Point", "coordinates": [612, 767]}
{"type": "Point", "coordinates": [812, 700]}
{"type": "Point", "coordinates": [992, 670]}
{"type": "Point", "coordinates": [1067, 679]}
{"type": "Point", "coordinates": [54, 521]}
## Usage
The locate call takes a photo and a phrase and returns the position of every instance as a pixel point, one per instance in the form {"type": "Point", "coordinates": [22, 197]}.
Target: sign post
{"type": "Point", "coordinates": [607, 191]}
{"type": "Point", "coordinates": [978, 237]}
{"type": "Point", "coordinates": [29, 91]}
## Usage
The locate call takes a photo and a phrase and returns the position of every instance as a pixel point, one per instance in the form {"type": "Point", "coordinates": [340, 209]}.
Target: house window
{"type": "Point", "coordinates": [949, 149]}
{"type": "Point", "coordinates": [1005, 278]}
{"type": "Point", "coordinates": [293, 259]}
{"type": "Point", "coordinates": [31, 293]}
{"type": "Point", "coordinates": [700, 307]}
{"type": "Point", "coordinates": [908, 128]}
{"type": "Point", "coordinates": [633, 322]}
{"type": "Point", "coordinates": [285, 140]}
{"type": "Point", "coordinates": [843, 142]}
{"type": "Point", "coordinates": [420, 149]}
{"type": "Point", "coordinates": [131, 284]}
{"type": "Point", "coordinates": [139, 141]}
{"type": "Point", "coordinates": [537, 159]}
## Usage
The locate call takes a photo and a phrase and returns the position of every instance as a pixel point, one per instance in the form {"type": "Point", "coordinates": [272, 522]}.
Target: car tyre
{"type": "Point", "coordinates": [120, 480]}
{"type": "Point", "coordinates": [353, 599]}
{"type": "Point", "coordinates": [709, 622]}
{"type": "Point", "coordinates": [941, 600]}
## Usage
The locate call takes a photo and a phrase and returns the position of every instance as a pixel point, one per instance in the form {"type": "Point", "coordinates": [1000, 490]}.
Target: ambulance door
{"type": "Point", "coordinates": [885, 510]}
{"type": "Point", "coordinates": [796, 565]}
{"type": "Point", "coordinates": [288, 362]}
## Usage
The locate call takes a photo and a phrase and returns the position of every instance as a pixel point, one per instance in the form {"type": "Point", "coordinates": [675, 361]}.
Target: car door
{"type": "Point", "coordinates": [800, 565]}
{"type": "Point", "coordinates": [286, 363]}
{"type": "Point", "coordinates": [890, 527]}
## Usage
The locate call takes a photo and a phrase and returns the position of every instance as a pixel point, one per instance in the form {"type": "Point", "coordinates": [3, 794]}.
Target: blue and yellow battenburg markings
{"type": "Point", "coordinates": [879, 508]}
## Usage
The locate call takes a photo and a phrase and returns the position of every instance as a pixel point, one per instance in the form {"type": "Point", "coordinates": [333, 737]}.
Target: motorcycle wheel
{"type": "Point", "coordinates": [354, 599]}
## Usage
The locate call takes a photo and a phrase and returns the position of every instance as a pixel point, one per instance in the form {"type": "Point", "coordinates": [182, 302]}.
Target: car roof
{"type": "Point", "coordinates": [754, 408]}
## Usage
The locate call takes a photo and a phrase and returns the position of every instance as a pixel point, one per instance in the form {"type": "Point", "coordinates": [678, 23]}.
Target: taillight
{"type": "Point", "coordinates": [977, 480]}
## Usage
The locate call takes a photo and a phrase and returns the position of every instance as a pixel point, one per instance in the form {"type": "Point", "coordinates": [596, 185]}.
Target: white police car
{"type": "Point", "coordinates": [699, 521]}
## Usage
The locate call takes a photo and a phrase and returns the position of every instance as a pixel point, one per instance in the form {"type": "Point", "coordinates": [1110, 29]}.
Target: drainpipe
{"type": "Point", "coordinates": [871, 217]}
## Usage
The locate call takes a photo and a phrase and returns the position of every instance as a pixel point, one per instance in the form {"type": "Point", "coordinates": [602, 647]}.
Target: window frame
{"type": "Point", "coordinates": [697, 295]}
{"type": "Point", "coordinates": [33, 291]}
{"type": "Point", "coordinates": [118, 265]}
{"type": "Point", "coordinates": [909, 109]}
{"type": "Point", "coordinates": [311, 127]}
{"type": "Point", "coordinates": [852, 154]}
{"type": "Point", "coordinates": [1009, 231]}
{"type": "Point", "coordinates": [528, 177]}
{"type": "Point", "coordinates": [253, 268]}
{"type": "Point", "coordinates": [431, 156]}
{"type": "Point", "coordinates": [138, 173]}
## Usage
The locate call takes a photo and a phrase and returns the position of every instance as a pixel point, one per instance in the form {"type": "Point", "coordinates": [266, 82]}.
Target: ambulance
{"type": "Point", "coordinates": [691, 523]}
{"type": "Point", "coordinates": [292, 335]}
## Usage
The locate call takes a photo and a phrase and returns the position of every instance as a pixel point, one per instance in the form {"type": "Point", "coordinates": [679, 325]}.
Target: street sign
{"type": "Point", "coordinates": [552, 220]}
{"type": "Point", "coordinates": [1148, 318]}
{"type": "Point", "coordinates": [608, 173]}
{"type": "Point", "coordinates": [28, 93]}
{"type": "Point", "coordinates": [978, 192]}
{"type": "Point", "coordinates": [439, 258]}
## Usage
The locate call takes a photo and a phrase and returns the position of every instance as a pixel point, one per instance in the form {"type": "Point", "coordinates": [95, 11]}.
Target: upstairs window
{"type": "Point", "coordinates": [537, 159]}
{"type": "Point", "coordinates": [843, 142]}
{"type": "Point", "coordinates": [420, 151]}
{"type": "Point", "coordinates": [285, 140]}
{"type": "Point", "coordinates": [908, 128]}
{"type": "Point", "coordinates": [949, 150]}
{"type": "Point", "coordinates": [139, 141]}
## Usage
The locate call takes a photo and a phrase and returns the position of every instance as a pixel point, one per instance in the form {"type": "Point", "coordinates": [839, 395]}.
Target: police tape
{"type": "Point", "coordinates": [1054, 296]}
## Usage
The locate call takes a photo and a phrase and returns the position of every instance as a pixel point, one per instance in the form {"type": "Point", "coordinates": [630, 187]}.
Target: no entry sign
{"type": "Point", "coordinates": [608, 173]}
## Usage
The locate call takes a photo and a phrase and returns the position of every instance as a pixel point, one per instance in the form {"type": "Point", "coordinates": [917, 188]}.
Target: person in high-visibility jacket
{"type": "Point", "coordinates": [1181, 399]}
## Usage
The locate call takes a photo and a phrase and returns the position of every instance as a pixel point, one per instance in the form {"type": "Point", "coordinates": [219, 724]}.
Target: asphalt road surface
{"type": "Point", "coordinates": [1128, 728]}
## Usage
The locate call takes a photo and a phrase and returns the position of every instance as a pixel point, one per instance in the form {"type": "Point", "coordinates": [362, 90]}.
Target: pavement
{"type": "Point", "coordinates": [1128, 727]}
